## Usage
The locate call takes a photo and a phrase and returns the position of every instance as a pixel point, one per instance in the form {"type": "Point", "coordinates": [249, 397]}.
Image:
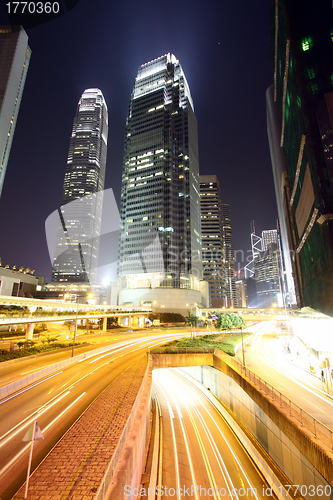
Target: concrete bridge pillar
{"type": "Point", "coordinates": [105, 320]}
{"type": "Point", "coordinates": [30, 331]}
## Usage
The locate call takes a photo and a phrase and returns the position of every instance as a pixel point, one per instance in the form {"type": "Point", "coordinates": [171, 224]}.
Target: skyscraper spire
{"type": "Point", "coordinates": [81, 211]}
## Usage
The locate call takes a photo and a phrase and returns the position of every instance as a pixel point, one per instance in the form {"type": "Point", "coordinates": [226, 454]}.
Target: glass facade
{"type": "Point", "coordinates": [160, 237]}
{"type": "Point", "coordinates": [302, 50]}
{"type": "Point", "coordinates": [14, 62]}
{"type": "Point", "coordinates": [267, 270]}
{"type": "Point", "coordinates": [77, 246]}
{"type": "Point", "coordinates": [228, 246]}
{"type": "Point", "coordinates": [213, 261]}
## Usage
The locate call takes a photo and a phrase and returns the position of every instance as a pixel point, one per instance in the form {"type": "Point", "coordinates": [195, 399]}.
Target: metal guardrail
{"type": "Point", "coordinates": [314, 426]}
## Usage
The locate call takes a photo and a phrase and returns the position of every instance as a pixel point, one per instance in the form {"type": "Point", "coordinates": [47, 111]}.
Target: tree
{"type": "Point", "coordinates": [192, 319]}
{"type": "Point", "coordinates": [224, 322]}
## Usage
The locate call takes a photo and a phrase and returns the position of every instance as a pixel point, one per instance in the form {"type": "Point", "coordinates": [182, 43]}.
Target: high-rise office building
{"type": "Point", "coordinates": [212, 239]}
{"type": "Point", "coordinates": [241, 289]}
{"type": "Point", "coordinates": [77, 245]}
{"type": "Point", "coordinates": [159, 257]}
{"type": "Point", "coordinates": [267, 270]}
{"type": "Point", "coordinates": [228, 247]}
{"type": "Point", "coordinates": [14, 61]}
{"type": "Point", "coordinates": [300, 111]}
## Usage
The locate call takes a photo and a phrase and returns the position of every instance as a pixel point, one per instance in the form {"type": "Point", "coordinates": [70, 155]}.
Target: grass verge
{"type": "Point", "coordinates": [202, 343]}
{"type": "Point", "coordinates": [24, 352]}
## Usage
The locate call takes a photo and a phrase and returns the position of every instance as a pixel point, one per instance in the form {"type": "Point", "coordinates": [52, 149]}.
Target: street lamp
{"type": "Point", "coordinates": [243, 347]}
{"type": "Point", "coordinates": [195, 304]}
{"type": "Point", "coordinates": [75, 332]}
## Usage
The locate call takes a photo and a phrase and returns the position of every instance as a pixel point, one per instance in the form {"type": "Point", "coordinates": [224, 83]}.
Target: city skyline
{"type": "Point", "coordinates": [223, 107]}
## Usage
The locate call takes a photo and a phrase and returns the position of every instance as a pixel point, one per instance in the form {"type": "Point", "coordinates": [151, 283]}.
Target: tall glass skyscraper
{"type": "Point", "coordinates": [160, 238]}
{"type": "Point", "coordinates": [14, 62]}
{"type": "Point", "coordinates": [76, 253]}
{"type": "Point", "coordinates": [228, 246]}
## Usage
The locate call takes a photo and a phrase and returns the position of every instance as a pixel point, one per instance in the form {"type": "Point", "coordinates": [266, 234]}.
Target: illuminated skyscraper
{"type": "Point", "coordinates": [228, 247]}
{"type": "Point", "coordinates": [212, 239]}
{"type": "Point", "coordinates": [14, 61]}
{"type": "Point", "coordinates": [160, 243]}
{"type": "Point", "coordinates": [76, 253]}
{"type": "Point", "coordinates": [267, 267]}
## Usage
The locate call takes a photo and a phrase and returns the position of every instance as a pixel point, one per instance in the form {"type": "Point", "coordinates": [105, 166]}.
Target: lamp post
{"type": "Point", "coordinates": [243, 347]}
{"type": "Point", "coordinates": [195, 304]}
{"type": "Point", "coordinates": [75, 331]}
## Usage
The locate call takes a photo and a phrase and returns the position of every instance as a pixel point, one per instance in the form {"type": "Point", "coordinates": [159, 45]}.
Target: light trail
{"type": "Point", "coordinates": [174, 441]}
{"type": "Point", "coordinates": [28, 420]}
{"type": "Point", "coordinates": [226, 442]}
{"type": "Point", "coordinates": [293, 379]}
{"type": "Point", "coordinates": [185, 440]}
{"type": "Point", "coordinates": [28, 388]}
{"type": "Point", "coordinates": [27, 446]}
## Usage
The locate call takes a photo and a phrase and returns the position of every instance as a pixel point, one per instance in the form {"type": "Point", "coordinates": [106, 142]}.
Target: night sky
{"type": "Point", "coordinates": [224, 49]}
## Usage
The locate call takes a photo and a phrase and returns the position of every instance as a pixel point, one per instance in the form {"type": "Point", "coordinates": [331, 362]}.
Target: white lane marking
{"type": "Point", "coordinates": [29, 420]}
{"type": "Point", "coordinates": [25, 448]}
{"type": "Point", "coordinates": [173, 439]}
{"type": "Point", "coordinates": [293, 379]}
{"type": "Point", "coordinates": [28, 388]}
{"type": "Point", "coordinates": [313, 405]}
{"type": "Point", "coordinates": [279, 381]}
{"type": "Point", "coordinates": [225, 440]}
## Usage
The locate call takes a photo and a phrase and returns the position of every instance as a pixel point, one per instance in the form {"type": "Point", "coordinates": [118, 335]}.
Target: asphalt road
{"type": "Point", "coordinates": [21, 367]}
{"type": "Point", "coordinates": [56, 403]}
{"type": "Point", "coordinates": [200, 454]}
{"type": "Point", "coordinates": [265, 356]}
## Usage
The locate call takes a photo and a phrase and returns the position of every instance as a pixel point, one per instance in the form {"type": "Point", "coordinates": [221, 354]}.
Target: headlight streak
{"type": "Point", "coordinates": [27, 446]}
{"type": "Point", "coordinates": [173, 439]}
{"type": "Point", "coordinates": [28, 388]}
{"type": "Point", "coordinates": [205, 458]}
{"type": "Point", "coordinates": [29, 420]}
{"type": "Point", "coordinates": [292, 379]}
{"type": "Point", "coordinates": [226, 442]}
{"type": "Point", "coordinates": [128, 343]}
{"type": "Point", "coordinates": [185, 440]}
{"type": "Point", "coordinates": [219, 430]}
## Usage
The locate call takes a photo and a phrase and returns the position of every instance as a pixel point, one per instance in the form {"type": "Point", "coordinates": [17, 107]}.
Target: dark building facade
{"type": "Point", "coordinates": [302, 50]}
{"type": "Point", "coordinates": [267, 271]}
{"type": "Point", "coordinates": [212, 239]}
{"type": "Point", "coordinates": [77, 245]}
{"type": "Point", "coordinates": [160, 237]}
{"type": "Point", "coordinates": [14, 62]}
